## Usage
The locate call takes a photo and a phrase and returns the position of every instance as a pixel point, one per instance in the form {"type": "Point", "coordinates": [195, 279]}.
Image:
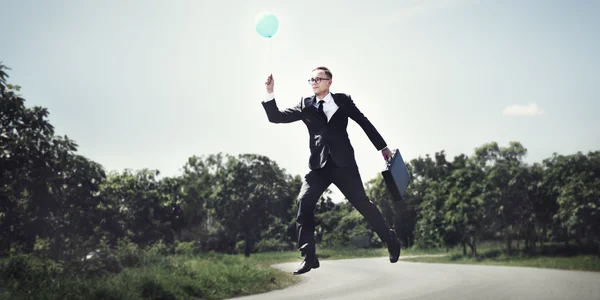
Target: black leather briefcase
{"type": "Point", "coordinates": [396, 176]}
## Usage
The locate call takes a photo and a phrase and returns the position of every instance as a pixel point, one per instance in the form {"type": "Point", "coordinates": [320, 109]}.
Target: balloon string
{"type": "Point", "coordinates": [270, 56]}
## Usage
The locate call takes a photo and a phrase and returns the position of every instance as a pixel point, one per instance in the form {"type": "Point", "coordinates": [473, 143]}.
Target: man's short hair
{"type": "Point", "coordinates": [326, 70]}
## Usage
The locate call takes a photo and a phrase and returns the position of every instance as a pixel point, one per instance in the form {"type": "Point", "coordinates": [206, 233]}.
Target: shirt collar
{"type": "Point", "coordinates": [327, 98]}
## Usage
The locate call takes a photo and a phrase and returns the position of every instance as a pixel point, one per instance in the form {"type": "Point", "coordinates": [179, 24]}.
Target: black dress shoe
{"type": "Point", "coordinates": [309, 262]}
{"type": "Point", "coordinates": [393, 245]}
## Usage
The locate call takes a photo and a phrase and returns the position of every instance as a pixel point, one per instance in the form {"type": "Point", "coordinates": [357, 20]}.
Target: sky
{"type": "Point", "coordinates": [147, 84]}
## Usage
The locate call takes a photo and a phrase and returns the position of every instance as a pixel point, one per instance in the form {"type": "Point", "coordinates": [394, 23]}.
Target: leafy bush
{"type": "Point", "coordinates": [22, 270]}
{"type": "Point", "coordinates": [272, 245]}
{"type": "Point", "coordinates": [129, 254]}
{"type": "Point", "coordinates": [187, 248]}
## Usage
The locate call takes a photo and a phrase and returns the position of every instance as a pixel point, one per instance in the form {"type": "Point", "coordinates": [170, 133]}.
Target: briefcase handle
{"type": "Point", "coordinates": [391, 159]}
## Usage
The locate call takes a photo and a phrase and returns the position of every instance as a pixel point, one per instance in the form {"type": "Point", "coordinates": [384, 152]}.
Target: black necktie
{"type": "Point", "coordinates": [321, 113]}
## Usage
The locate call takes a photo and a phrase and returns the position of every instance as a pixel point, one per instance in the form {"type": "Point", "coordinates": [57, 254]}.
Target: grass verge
{"type": "Point", "coordinates": [204, 276]}
{"type": "Point", "coordinates": [551, 256]}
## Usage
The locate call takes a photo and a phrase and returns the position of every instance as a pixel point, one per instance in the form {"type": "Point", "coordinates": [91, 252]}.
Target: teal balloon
{"type": "Point", "coordinates": [266, 24]}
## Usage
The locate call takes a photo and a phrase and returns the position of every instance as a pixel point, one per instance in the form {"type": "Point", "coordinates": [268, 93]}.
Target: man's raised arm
{"type": "Point", "coordinates": [275, 115]}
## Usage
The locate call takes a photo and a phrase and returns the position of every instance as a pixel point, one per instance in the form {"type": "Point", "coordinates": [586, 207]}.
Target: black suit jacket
{"type": "Point", "coordinates": [327, 137]}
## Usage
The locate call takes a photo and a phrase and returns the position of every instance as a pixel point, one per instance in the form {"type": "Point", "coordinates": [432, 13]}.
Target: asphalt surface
{"type": "Point", "coordinates": [377, 278]}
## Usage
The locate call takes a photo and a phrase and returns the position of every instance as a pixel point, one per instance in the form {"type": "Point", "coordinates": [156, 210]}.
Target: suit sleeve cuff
{"type": "Point", "coordinates": [382, 148]}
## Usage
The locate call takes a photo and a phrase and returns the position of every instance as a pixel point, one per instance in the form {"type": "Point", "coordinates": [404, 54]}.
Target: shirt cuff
{"type": "Point", "coordinates": [269, 97]}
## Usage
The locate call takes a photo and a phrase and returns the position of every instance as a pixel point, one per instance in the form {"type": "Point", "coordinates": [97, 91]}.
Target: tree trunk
{"type": "Point", "coordinates": [474, 249]}
{"type": "Point", "coordinates": [57, 245]}
{"type": "Point", "coordinates": [594, 247]}
{"type": "Point", "coordinates": [579, 238]}
{"type": "Point", "coordinates": [508, 245]}
{"type": "Point", "coordinates": [248, 247]}
{"type": "Point", "coordinates": [464, 248]}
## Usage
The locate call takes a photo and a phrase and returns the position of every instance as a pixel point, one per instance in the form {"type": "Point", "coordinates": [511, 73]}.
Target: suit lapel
{"type": "Point", "coordinates": [337, 102]}
{"type": "Point", "coordinates": [312, 110]}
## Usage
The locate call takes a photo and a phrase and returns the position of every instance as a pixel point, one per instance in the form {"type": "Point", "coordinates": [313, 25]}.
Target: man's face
{"type": "Point", "coordinates": [319, 81]}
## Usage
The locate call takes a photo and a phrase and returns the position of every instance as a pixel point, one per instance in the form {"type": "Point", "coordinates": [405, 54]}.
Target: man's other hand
{"type": "Point", "coordinates": [387, 154]}
{"type": "Point", "coordinates": [270, 83]}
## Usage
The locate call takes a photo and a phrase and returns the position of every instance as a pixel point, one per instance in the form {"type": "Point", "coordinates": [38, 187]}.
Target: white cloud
{"type": "Point", "coordinates": [530, 109]}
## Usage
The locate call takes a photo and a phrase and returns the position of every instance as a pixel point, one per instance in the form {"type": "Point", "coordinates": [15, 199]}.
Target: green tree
{"type": "Point", "coordinates": [465, 207]}
{"type": "Point", "coordinates": [506, 189]}
{"type": "Point", "coordinates": [143, 207]}
{"type": "Point", "coordinates": [575, 180]}
{"type": "Point", "coordinates": [247, 195]}
{"type": "Point", "coordinates": [47, 192]}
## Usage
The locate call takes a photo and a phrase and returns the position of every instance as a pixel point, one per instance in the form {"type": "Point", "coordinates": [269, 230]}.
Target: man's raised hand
{"type": "Point", "coordinates": [270, 83]}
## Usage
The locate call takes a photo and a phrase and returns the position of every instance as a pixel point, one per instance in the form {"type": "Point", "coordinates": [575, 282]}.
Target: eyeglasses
{"type": "Point", "coordinates": [316, 80]}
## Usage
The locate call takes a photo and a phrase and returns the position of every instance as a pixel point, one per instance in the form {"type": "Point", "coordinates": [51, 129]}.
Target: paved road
{"type": "Point", "coordinates": [376, 278]}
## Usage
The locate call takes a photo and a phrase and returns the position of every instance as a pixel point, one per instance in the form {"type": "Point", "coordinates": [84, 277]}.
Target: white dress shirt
{"type": "Point", "coordinates": [329, 106]}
